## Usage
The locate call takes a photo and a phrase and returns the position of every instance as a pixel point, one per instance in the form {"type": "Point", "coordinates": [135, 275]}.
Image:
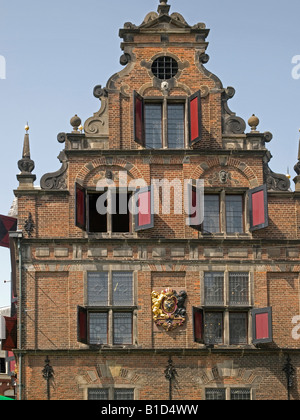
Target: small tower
{"type": "Point", "coordinates": [26, 165]}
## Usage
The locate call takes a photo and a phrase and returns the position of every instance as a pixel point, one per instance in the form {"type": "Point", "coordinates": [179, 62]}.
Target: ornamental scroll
{"type": "Point", "coordinates": [168, 308]}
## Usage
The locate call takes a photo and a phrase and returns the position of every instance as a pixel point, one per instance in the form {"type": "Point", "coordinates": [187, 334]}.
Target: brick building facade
{"type": "Point", "coordinates": [112, 300]}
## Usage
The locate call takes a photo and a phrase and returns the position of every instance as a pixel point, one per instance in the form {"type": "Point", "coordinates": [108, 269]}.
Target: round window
{"type": "Point", "coordinates": [165, 68]}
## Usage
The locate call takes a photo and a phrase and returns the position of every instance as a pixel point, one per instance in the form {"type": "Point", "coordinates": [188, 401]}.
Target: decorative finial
{"type": "Point", "coordinates": [253, 123]}
{"type": "Point", "coordinates": [75, 123]}
{"type": "Point", "coordinates": [163, 8]}
{"type": "Point", "coordinates": [26, 165]}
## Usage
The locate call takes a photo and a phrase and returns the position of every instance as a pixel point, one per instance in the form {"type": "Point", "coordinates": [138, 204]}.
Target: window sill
{"type": "Point", "coordinates": [229, 346]}
{"type": "Point", "coordinates": [238, 236]}
{"type": "Point", "coordinates": [107, 235]}
{"type": "Point", "coordinates": [112, 347]}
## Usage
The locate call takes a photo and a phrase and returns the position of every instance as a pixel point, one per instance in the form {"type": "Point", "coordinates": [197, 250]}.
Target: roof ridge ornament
{"type": "Point", "coordinates": [26, 165]}
{"type": "Point", "coordinates": [163, 8]}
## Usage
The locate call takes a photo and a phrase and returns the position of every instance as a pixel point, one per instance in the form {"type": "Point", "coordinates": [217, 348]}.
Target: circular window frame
{"type": "Point", "coordinates": [165, 67]}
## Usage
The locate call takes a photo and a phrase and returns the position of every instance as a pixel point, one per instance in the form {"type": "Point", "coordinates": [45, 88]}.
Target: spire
{"type": "Point", "coordinates": [26, 147]}
{"type": "Point", "coordinates": [163, 8]}
{"type": "Point", "coordinates": [26, 164]}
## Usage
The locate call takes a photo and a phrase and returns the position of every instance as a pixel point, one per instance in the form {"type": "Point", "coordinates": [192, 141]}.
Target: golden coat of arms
{"type": "Point", "coordinates": [168, 308]}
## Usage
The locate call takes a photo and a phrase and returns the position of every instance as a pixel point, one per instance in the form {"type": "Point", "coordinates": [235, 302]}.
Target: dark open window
{"type": "Point", "coordinates": [96, 222]}
{"type": "Point", "coordinates": [109, 212]}
{"type": "Point", "coordinates": [2, 365]}
{"type": "Point", "coordinates": [121, 220]}
{"type": "Point", "coordinates": [82, 325]}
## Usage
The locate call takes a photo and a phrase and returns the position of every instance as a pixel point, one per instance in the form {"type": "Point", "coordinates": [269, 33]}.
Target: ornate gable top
{"type": "Point", "coordinates": [162, 20]}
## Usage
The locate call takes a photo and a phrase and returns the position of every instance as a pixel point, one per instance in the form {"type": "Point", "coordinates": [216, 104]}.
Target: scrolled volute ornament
{"type": "Point", "coordinates": [98, 91]}
{"type": "Point", "coordinates": [61, 137]}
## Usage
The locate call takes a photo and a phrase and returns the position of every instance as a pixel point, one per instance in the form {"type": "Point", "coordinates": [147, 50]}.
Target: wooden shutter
{"type": "Point", "coordinates": [10, 341]}
{"type": "Point", "coordinates": [80, 206]}
{"type": "Point", "coordinates": [262, 325]}
{"type": "Point", "coordinates": [2, 328]}
{"type": "Point", "coordinates": [258, 208]}
{"type": "Point", "coordinates": [195, 118]}
{"type": "Point", "coordinates": [144, 208]}
{"type": "Point", "coordinates": [82, 325]}
{"type": "Point", "coordinates": [198, 324]}
{"type": "Point", "coordinates": [195, 206]}
{"type": "Point", "coordinates": [7, 224]}
{"type": "Point", "coordinates": [138, 118]}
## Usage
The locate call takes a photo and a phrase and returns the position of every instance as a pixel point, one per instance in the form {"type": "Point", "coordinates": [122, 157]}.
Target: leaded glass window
{"type": "Point", "coordinates": [176, 126]}
{"type": "Point", "coordinates": [97, 285]}
{"type": "Point", "coordinates": [240, 394]}
{"type": "Point", "coordinates": [122, 328]}
{"type": "Point", "coordinates": [98, 394]}
{"type": "Point", "coordinates": [211, 222]}
{"type": "Point", "coordinates": [214, 288]}
{"type": "Point", "coordinates": [239, 289]}
{"type": "Point", "coordinates": [123, 394]}
{"type": "Point", "coordinates": [215, 394]}
{"type": "Point", "coordinates": [234, 214]}
{"type": "Point", "coordinates": [109, 293]}
{"type": "Point", "coordinates": [171, 134]}
{"type": "Point", "coordinates": [213, 325]}
{"type": "Point", "coordinates": [238, 328]}
{"type": "Point", "coordinates": [153, 126]}
{"type": "Point", "coordinates": [122, 284]}
{"type": "Point", "coordinates": [98, 328]}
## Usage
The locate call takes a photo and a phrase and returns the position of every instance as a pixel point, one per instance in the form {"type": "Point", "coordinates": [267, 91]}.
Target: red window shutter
{"type": "Point", "coordinates": [7, 224]}
{"type": "Point", "coordinates": [262, 325]}
{"type": "Point", "coordinates": [258, 208]}
{"type": "Point", "coordinates": [138, 117]}
{"type": "Point", "coordinates": [195, 118]}
{"type": "Point", "coordinates": [80, 210]}
{"type": "Point", "coordinates": [10, 341]}
{"type": "Point", "coordinates": [198, 320]}
{"type": "Point", "coordinates": [144, 211]}
{"type": "Point", "coordinates": [82, 332]}
{"type": "Point", "coordinates": [195, 206]}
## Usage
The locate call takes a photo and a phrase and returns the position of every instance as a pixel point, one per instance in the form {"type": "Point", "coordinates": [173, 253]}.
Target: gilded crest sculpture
{"type": "Point", "coordinates": [168, 308]}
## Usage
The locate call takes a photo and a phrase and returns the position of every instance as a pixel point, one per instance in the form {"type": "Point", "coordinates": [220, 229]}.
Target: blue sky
{"type": "Point", "coordinates": [56, 52]}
